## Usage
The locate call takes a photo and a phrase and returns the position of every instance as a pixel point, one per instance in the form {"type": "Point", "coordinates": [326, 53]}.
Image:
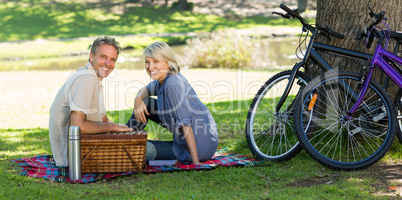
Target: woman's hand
{"type": "Point", "coordinates": [198, 163]}
{"type": "Point", "coordinates": [140, 110]}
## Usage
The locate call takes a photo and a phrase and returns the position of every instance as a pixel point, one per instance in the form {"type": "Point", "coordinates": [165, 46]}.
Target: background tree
{"type": "Point", "coordinates": [301, 5]}
{"type": "Point", "coordinates": [182, 4]}
{"type": "Point", "coordinates": [350, 18]}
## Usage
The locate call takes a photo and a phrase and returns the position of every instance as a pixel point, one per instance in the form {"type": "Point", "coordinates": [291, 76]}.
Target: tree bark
{"type": "Point", "coordinates": [349, 18]}
{"type": "Point", "coordinates": [182, 5]}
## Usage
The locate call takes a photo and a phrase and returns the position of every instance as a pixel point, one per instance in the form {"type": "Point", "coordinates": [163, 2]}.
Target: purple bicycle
{"type": "Point", "coordinates": [346, 120]}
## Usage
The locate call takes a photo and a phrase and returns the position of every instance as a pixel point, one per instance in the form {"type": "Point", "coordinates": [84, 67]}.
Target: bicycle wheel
{"type": "Point", "coordinates": [270, 135]}
{"type": "Point", "coordinates": [332, 139]}
{"type": "Point", "coordinates": [398, 105]}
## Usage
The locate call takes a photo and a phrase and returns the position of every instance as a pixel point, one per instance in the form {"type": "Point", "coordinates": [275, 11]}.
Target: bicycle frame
{"type": "Point", "coordinates": [379, 60]}
{"type": "Point", "coordinates": [311, 53]}
{"type": "Point", "coordinates": [320, 61]}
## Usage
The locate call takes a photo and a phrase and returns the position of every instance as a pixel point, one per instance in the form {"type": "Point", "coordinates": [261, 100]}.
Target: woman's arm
{"type": "Point", "coordinates": [140, 109]}
{"type": "Point", "coordinates": [192, 146]}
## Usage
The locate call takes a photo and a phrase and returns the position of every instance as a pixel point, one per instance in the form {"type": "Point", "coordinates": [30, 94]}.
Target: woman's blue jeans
{"type": "Point", "coordinates": [156, 150]}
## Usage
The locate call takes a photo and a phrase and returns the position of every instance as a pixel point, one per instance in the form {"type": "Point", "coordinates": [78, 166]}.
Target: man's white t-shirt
{"type": "Point", "coordinates": [83, 91]}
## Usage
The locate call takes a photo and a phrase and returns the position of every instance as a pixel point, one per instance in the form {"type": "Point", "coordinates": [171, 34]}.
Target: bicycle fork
{"type": "Point", "coordinates": [291, 79]}
{"type": "Point", "coordinates": [384, 66]}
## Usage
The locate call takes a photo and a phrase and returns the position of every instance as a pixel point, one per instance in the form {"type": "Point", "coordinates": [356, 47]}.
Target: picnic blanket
{"type": "Point", "coordinates": [44, 167]}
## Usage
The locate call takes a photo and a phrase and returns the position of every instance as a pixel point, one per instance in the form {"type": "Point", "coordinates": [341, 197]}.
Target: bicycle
{"type": "Point", "coordinates": [346, 120]}
{"type": "Point", "coordinates": [270, 131]}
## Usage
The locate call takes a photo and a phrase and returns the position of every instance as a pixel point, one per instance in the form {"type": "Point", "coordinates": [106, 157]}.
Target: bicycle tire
{"type": "Point", "coordinates": [279, 144]}
{"type": "Point", "coordinates": [398, 106]}
{"type": "Point", "coordinates": [332, 140]}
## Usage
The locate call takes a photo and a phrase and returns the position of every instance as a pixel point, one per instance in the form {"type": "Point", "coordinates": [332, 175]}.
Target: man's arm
{"type": "Point", "coordinates": [105, 119]}
{"type": "Point", "coordinates": [78, 118]}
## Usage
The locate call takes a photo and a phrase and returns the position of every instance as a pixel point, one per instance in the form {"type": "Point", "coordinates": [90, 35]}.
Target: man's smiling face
{"type": "Point", "coordinates": [104, 59]}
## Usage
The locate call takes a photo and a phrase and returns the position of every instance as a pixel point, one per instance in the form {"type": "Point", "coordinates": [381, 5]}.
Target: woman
{"type": "Point", "coordinates": [177, 108]}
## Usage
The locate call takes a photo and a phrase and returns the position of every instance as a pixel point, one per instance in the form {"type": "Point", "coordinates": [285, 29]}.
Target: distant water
{"type": "Point", "coordinates": [279, 54]}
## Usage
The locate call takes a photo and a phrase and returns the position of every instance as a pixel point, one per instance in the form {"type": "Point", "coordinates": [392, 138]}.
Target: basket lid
{"type": "Point", "coordinates": [116, 136]}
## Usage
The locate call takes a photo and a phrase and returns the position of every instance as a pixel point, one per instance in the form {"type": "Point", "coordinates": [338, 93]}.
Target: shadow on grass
{"type": "Point", "coordinates": [72, 19]}
{"type": "Point", "coordinates": [16, 143]}
{"type": "Point", "coordinates": [301, 176]}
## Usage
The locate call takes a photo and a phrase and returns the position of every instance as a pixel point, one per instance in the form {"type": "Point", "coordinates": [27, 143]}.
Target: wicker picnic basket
{"type": "Point", "coordinates": [113, 152]}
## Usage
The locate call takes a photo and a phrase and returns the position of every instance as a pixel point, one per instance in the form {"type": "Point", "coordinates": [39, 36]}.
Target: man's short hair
{"type": "Point", "coordinates": [104, 39]}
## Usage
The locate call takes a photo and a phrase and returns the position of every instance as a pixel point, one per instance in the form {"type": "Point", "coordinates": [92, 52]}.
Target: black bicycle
{"type": "Point", "coordinates": [270, 129]}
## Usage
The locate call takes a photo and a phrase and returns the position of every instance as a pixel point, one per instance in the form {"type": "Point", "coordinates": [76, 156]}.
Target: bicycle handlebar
{"type": "Point", "coordinates": [336, 34]}
{"type": "Point", "coordinates": [328, 31]}
{"type": "Point", "coordinates": [293, 13]}
{"type": "Point", "coordinates": [379, 18]}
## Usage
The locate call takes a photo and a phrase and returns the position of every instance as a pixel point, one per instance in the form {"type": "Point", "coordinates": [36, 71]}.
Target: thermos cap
{"type": "Point", "coordinates": [74, 133]}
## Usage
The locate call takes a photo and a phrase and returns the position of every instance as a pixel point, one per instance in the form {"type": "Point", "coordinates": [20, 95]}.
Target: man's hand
{"type": "Point", "coordinates": [122, 128]}
{"type": "Point", "coordinates": [78, 118]}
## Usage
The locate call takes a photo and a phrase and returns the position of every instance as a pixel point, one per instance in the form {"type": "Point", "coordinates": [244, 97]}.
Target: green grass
{"type": "Point", "coordinates": [299, 178]}
{"type": "Point", "coordinates": [26, 22]}
{"type": "Point", "coordinates": [72, 19]}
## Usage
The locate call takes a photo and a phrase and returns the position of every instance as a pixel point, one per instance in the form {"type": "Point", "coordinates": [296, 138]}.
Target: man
{"type": "Point", "coordinates": [79, 102]}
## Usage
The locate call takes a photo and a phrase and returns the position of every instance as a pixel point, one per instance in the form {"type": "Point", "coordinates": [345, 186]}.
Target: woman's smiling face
{"type": "Point", "coordinates": [157, 69]}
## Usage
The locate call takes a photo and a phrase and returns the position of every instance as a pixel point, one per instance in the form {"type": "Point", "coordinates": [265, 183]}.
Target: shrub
{"type": "Point", "coordinates": [225, 49]}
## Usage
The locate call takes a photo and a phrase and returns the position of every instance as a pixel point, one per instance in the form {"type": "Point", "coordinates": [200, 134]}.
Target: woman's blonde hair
{"type": "Point", "coordinates": [161, 51]}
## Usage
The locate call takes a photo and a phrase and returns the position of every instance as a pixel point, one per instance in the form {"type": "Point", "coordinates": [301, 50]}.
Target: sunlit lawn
{"type": "Point", "coordinates": [73, 19]}
{"type": "Point", "coordinates": [300, 178]}
{"type": "Point", "coordinates": [58, 23]}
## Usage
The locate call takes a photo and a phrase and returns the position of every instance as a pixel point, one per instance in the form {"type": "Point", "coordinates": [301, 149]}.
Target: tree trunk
{"type": "Point", "coordinates": [182, 5]}
{"type": "Point", "coordinates": [349, 18]}
{"type": "Point", "coordinates": [301, 5]}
